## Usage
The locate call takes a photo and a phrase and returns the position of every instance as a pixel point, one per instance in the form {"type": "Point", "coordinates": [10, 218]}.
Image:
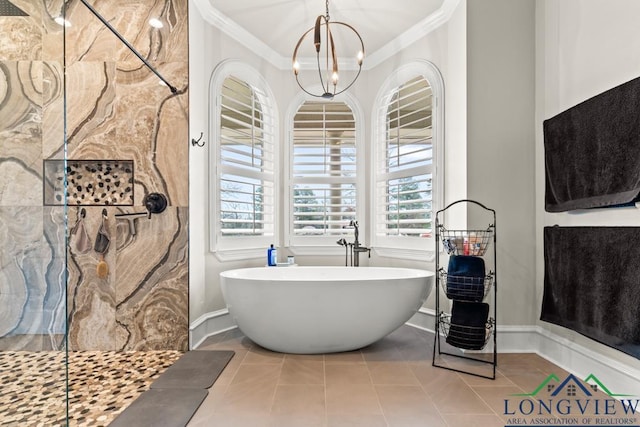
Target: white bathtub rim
{"type": "Point", "coordinates": [307, 273]}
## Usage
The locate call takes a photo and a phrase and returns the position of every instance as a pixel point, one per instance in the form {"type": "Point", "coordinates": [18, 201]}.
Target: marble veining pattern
{"type": "Point", "coordinates": [20, 133]}
{"type": "Point", "coordinates": [115, 109]}
{"type": "Point", "coordinates": [150, 304]}
{"type": "Point", "coordinates": [143, 303]}
{"type": "Point", "coordinates": [22, 284]}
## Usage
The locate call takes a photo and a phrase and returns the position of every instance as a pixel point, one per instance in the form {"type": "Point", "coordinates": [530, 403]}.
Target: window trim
{"type": "Point", "coordinates": [320, 245]}
{"type": "Point", "coordinates": [400, 246]}
{"type": "Point", "coordinates": [237, 247]}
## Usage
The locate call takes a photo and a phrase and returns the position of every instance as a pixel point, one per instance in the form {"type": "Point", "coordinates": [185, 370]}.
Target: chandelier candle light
{"type": "Point", "coordinates": [328, 72]}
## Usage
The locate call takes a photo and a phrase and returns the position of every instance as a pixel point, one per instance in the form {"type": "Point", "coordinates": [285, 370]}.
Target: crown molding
{"type": "Point", "coordinates": [412, 34]}
{"type": "Point", "coordinates": [225, 24]}
{"type": "Point", "coordinates": [216, 18]}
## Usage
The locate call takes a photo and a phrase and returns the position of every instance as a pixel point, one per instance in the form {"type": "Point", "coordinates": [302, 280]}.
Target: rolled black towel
{"type": "Point", "coordinates": [465, 278]}
{"type": "Point", "coordinates": [468, 328]}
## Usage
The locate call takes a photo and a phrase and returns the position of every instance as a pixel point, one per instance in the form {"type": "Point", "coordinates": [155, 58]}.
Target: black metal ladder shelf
{"type": "Point", "coordinates": [470, 324]}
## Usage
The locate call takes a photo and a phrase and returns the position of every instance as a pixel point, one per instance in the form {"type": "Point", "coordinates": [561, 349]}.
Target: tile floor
{"type": "Point", "coordinates": [390, 383]}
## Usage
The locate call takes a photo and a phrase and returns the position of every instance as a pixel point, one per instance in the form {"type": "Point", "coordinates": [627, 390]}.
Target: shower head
{"type": "Point", "coordinates": [9, 9]}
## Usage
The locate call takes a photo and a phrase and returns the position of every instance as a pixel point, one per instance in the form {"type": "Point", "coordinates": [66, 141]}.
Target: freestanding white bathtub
{"type": "Point", "coordinates": [310, 310]}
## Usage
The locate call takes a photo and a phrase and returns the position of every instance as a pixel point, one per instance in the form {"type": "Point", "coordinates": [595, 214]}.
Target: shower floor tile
{"type": "Point", "coordinates": [101, 385]}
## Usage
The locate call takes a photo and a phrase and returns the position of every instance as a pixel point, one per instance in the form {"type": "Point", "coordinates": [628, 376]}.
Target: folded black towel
{"type": "Point", "coordinates": [468, 328]}
{"type": "Point", "coordinates": [465, 278]}
{"type": "Point", "coordinates": [592, 151]}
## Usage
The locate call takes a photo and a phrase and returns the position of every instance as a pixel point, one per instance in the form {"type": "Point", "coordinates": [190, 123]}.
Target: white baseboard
{"type": "Point", "coordinates": [582, 362]}
{"type": "Point", "coordinates": [568, 355]}
{"type": "Point", "coordinates": [511, 339]}
{"type": "Point", "coordinates": [574, 358]}
{"type": "Point", "coordinates": [209, 324]}
{"type": "Point", "coordinates": [424, 319]}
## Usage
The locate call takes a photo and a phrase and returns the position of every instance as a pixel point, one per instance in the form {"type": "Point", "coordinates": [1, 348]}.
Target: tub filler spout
{"type": "Point", "coordinates": [354, 249]}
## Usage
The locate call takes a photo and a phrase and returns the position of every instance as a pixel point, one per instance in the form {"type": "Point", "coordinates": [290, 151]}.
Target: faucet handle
{"type": "Point", "coordinates": [155, 203]}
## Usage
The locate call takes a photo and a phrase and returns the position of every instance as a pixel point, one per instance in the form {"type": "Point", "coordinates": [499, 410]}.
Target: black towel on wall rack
{"type": "Point", "coordinates": [591, 277]}
{"type": "Point", "coordinates": [592, 151]}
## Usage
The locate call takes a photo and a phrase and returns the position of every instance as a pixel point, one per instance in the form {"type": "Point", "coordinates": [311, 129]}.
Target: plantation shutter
{"type": "Point", "coordinates": [246, 159]}
{"type": "Point", "coordinates": [323, 169]}
{"type": "Point", "coordinates": [405, 168]}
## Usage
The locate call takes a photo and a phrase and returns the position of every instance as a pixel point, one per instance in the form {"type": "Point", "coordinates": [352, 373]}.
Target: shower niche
{"type": "Point", "coordinates": [88, 182]}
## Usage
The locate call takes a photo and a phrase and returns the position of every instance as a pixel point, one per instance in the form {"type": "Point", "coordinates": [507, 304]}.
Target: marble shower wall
{"type": "Point", "coordinates": [116, 110]}
{"type": "Point", "coordinates": [32, 279]}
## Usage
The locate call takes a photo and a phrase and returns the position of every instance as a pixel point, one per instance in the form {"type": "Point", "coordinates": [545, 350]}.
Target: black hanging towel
{"type": "Point", "coordinates": [592, 283]}
{"type": "Point", "coordinates": [592, 152]}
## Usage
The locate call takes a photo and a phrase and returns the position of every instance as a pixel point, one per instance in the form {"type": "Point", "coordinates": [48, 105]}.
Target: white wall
{"type": "Point", "coordinates": [207, 48]}
{"type": "Point", "coordinates": [197, 167]}
{"type": "Point", "coordinates": [583, 49]}
{"type": "Point", "coordinates": [500, 143]}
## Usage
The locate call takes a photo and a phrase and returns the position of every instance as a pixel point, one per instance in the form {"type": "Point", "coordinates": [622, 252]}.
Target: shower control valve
{"type": "Point", "coordinates": [155, 203]}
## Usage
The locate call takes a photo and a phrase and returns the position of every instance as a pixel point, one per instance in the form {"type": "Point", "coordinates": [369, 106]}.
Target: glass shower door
{"type": "Point", "coordinates": [33, 233]}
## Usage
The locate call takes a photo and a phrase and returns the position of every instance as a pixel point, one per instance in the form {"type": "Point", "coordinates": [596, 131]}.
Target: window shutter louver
{"type": "Point", "coordinates": [323, 169]}
{"type": "Point", "coordinates": [246, 158]}
{"type": "Point", "coordinates": [405, 168]}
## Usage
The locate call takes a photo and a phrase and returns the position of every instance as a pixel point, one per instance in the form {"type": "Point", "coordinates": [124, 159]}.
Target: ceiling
{"type": "Point", "coordinates": [272, 27]}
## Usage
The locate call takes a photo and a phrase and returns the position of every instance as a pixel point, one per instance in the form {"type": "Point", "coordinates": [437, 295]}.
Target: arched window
{"type": "Point", "coordinates": [324, 160]}
{"type": "Point", "coordinates": [244, 157]}
{"type": "Point", "coordinates": [408, 157]}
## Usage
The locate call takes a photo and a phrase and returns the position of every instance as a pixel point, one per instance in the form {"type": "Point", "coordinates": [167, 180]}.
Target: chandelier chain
{"type": "Point", "coordinates": [327, 5]}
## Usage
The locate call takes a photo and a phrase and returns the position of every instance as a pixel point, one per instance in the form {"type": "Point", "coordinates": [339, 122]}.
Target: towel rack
{"type": "Point", "coordinates": [471, 323]}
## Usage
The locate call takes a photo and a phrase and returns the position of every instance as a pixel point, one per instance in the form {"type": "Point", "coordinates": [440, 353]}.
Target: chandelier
{"type": "Point", "coordinates": [327, 59]}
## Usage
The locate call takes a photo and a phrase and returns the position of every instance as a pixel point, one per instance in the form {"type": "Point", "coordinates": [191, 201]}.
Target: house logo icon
{"type": "Point", "coordinates": [572, 401]}
{"type": "Point", "coordinates": [571, 386]}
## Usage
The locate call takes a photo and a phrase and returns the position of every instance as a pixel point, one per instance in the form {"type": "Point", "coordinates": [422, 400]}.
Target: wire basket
{"type": "Point", "coordinates": [466, 337]}
{"type": "Point", "coordinates": [465, 242]}
{"type": "Point", "coordinates": [465, 288]}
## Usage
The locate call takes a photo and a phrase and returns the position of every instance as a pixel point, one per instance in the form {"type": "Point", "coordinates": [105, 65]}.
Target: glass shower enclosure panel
{"type": "Point", "coordinates": [33, 231]}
